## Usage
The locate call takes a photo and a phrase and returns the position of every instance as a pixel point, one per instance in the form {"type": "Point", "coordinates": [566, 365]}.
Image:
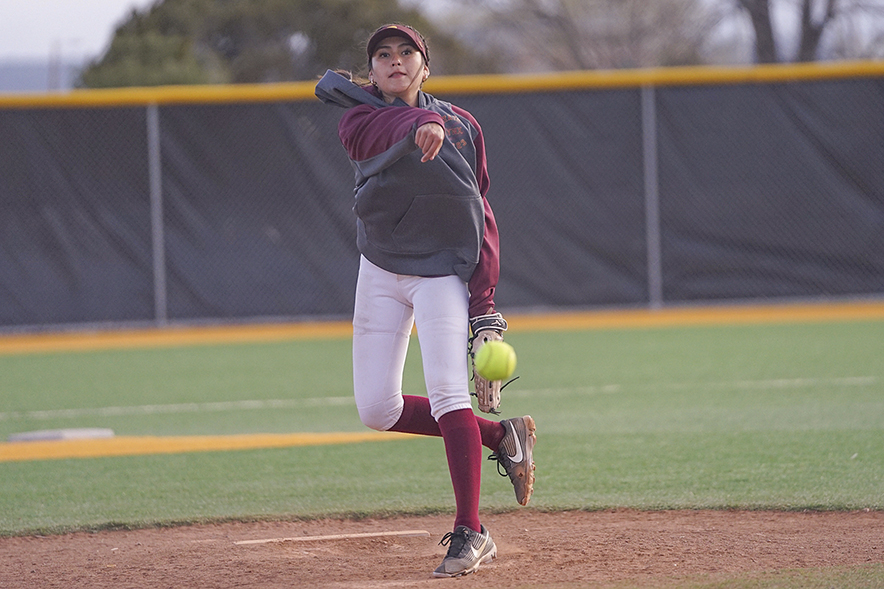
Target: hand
{"type": "Point", "coordinates": [429, 138]}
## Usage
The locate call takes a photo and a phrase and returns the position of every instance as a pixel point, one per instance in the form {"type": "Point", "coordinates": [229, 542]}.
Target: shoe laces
{"type": "Point", "coordinates": [500, 458]}
{"type": "Point", "coordinates": [455, 541]}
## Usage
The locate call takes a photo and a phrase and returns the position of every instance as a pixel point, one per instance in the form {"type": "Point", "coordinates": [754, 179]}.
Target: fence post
{"type": "Point", "coordinates": [652, 197]}
{"type": "Point", "coordinates": [157, 230]}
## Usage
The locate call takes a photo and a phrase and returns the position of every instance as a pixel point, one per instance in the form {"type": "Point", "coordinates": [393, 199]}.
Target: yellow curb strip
{"type": "Point", "coordinates": [617, 319]}
{"type": "Point", "coordinates": [701, 316]}
{"type": "Point", "coordinates": [173, 336]}
{"type": "Point", "coordinates": [139, 446]}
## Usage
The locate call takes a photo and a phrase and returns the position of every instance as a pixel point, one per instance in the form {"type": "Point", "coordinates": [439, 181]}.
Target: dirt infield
{"type": "Point", "coordinates": [586, 549]}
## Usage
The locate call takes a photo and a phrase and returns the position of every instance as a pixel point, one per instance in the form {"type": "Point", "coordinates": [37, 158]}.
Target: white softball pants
{"type": "Point", "coordinates": [387, 306]}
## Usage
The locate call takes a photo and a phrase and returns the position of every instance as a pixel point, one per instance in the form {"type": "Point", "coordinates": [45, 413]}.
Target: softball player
{"type": "Point", "coordinates": [429, 257]}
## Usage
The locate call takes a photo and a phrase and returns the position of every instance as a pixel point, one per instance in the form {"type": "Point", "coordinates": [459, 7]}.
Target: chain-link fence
{"type": "Point", "coordinates": [640, 194]}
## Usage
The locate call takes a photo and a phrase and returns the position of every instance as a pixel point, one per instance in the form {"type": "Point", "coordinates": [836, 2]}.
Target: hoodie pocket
{"type": "Point", "coordinates": [437, 222]}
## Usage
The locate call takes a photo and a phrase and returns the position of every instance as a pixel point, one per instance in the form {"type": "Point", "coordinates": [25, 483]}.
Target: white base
{"type": "Point", "coordinates": [84, 433]}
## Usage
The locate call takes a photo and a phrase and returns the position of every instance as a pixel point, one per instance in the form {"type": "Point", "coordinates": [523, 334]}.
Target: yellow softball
{"type": "Point", "coordinates": [496, 360]}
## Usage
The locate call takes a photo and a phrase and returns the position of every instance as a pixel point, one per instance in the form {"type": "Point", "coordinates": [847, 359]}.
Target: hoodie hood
{"type": "Point", "coordinates": [336, 90]}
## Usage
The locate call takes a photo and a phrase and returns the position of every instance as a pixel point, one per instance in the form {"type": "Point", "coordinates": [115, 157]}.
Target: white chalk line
{"type": "Point", "coordinates": [759, 385]}
{"type": "Point", "coordinates": [214, 407]}
{"type": "Point", "coordinates": [400, 533]}
{"type": "Point", "coordinates": [512, 391]}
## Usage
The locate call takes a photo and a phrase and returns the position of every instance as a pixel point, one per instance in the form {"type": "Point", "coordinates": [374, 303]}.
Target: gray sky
{"type": "Point", "coordinates": [70, 29]}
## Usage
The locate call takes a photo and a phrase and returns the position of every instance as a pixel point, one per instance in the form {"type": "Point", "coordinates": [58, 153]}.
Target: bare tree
{"type": "Point", "coordinates": [857, 39]}
{"type": "Point", "coordinates": [589, 34]}
{"type": "Point", "coordinates": [759, 15]}
{"type": "Point", "coordinates": [816, 20]}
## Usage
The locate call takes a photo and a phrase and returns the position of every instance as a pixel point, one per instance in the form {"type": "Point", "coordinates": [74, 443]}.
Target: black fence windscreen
{"type": "Point", "coordinates": [772, 190]}
{"type": "Point", "coordinates": [238, 211]}
{"type": "Point", "coordinates": [74, 217]}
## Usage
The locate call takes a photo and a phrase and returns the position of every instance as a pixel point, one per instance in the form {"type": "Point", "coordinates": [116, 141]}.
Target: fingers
{"type": "Point", "coordinates": [429, 138]}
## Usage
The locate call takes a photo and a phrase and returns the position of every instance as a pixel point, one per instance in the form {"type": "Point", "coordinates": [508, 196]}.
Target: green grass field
{"type": "Point", "coordinates": [776, 415]}
{"type": "Point", "coordinates": [782, 416]}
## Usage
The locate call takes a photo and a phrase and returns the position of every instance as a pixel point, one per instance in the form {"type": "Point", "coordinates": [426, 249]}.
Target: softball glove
{"type": "Point", "coordinates": [486, 328]}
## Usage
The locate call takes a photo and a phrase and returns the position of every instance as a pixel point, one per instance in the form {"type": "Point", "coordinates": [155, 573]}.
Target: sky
{"type": "Point", "coordinates": [69, 30]}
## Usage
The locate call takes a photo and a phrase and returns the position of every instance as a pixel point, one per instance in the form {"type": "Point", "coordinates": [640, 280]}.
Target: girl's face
{"type": "Point", "coordinates": [398, 70]}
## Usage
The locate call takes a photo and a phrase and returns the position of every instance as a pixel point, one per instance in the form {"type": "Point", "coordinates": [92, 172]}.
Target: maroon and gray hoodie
{"type": "Point", "coordinates": [418, 218]}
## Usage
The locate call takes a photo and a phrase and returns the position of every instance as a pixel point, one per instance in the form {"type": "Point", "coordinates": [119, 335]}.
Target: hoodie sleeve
{"type": "Point", "coordinates": [367, 131]}
{"type": "Point", "coordinates": [484, 280]}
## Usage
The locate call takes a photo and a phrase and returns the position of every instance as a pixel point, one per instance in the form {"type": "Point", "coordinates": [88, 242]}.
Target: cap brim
{"type": "Point", "coordinates": [393, 31]}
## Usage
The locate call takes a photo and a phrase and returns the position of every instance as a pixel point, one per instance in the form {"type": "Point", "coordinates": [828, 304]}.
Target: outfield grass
{"type": "Point", "coordinates": [860, 577]}
{"type": "Point", "coordinates": [783, 416]}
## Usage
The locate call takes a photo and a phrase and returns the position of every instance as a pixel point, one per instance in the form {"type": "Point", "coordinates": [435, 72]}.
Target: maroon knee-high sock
{"type": "Point", "coordinates": [417, 419]}
{"type": "Point", "coordinates": [492, 432]}
{"type": "Point", "coordinates": [463, 447]}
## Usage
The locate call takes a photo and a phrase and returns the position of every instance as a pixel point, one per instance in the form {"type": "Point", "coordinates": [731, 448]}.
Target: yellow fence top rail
{"type": "Point", "coordinates": [473, 84]}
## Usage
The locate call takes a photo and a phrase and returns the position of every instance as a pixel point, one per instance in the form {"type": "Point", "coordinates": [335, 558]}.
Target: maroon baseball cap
{"type": "Point", "coordinates": [397, 31]}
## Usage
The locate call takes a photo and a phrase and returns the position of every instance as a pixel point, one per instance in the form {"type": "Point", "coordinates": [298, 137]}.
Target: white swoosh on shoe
{"type": "Point", "coordinates": [518, 455]}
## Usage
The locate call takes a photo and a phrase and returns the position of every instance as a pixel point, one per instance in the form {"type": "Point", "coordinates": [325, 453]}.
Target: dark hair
{"type": "Point", "coordinates": [356, 79]}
